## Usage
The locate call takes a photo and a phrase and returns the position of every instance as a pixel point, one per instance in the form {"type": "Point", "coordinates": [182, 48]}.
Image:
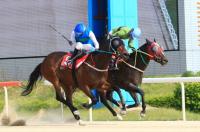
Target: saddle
{"type": "Point", "coordinates": [67, 64]}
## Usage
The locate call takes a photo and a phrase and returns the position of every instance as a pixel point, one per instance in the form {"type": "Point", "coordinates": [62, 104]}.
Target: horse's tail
{"type": "Point", "coordinates": [32, 80]}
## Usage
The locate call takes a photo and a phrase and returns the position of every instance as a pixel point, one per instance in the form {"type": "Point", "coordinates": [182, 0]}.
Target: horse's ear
{"type": "Point", "coordinates": [148, 42]}
{"type": "Point", "coordinates": [154, 40]}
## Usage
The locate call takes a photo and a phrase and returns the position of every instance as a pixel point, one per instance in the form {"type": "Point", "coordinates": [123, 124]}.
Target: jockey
{"type": "Point", "coordinates": [124, 32]}
{"type": "Point", "coordinates": [84, 40]}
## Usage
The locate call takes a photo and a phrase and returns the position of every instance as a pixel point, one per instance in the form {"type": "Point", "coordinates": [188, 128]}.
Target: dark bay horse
{"type": "Point", "coordinates": [91, 74]}
{"type": "Point", "coordinates": [130, 73]}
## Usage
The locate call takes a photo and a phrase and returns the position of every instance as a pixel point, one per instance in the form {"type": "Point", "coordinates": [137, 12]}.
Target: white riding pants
{"type": "Point", "coordinates": [80, 46]}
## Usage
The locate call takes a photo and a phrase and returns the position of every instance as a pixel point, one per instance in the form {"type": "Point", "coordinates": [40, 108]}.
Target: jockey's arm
{"type": "Point", "coordinates": [94, 40]}
{"type": "Point", "coordinates": [130, 43]}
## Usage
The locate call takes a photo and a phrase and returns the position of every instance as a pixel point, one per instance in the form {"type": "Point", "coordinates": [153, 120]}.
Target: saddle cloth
{"type": "Point", "coordinates": [79, 61]}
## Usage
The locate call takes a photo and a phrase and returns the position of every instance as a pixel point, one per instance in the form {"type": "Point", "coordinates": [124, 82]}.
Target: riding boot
{"type": "Point", "coordinates": [74, 56]}
{"type": "Point", "coordinates": [113, 64]}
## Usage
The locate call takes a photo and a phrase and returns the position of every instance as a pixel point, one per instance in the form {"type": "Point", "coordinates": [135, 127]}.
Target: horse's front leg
{"type": "Point", "coordinates": [104, 101]}
{"type": "Point", "coordinates": [109, 96]}
{"type": "Point", "coordinates": [88, 93]}
{"type": "Point", "coordinates": [133, 88]}
{"type": "Point", "coordinates": [123, 109]}
{"type": "Point", "coordinates": [135, 98]}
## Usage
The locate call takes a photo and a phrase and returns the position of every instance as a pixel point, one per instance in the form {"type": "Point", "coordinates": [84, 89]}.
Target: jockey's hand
{"type": "Point", "coordinates": [96, 48]}
{"type": "Point", "coordinates": [70, 42]}
{"type": "Point", "coordinates": [92, 49]}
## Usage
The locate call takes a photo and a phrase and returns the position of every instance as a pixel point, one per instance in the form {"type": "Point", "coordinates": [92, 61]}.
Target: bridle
{"type": "Point", "coordinates": [153, 50]}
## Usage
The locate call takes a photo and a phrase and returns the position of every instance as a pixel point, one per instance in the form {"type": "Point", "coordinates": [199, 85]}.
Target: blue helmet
{"type": "Point", "coordinates": [136, 33]}
{"type": "Point", "coordinates": [79, 29]}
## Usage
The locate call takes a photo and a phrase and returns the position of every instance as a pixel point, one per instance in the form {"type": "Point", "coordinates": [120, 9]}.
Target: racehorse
{"type": "Point", "coordinates": [91, 74]}
{"type": "Point", "coordinates": [130, 73]}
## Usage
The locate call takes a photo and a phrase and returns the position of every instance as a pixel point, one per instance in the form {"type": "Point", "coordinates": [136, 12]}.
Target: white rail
{"type": "Point", "coordinates": [171, 80]}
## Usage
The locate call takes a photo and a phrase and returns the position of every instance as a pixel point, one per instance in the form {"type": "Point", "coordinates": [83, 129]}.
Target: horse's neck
{"type": "Point", "coordinates": [139, 60]}
{"type": "Point", "coordinates": [101, 60]}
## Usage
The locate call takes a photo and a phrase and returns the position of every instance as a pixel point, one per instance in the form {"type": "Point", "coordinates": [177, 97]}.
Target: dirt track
{"type": "Point", "coordinates": [134, 126]}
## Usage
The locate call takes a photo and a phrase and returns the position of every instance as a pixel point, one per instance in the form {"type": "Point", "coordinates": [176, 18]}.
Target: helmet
{"type": "Point", "coordinates": [136, 33]}
{"type": "Point", "coordinates": [79, 29]}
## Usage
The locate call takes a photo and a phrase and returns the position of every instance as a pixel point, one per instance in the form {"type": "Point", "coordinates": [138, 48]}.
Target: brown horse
{"type": "Point", "coordinates": [130, 73]}
{"type": "Point", "coordinates": [87, 75]}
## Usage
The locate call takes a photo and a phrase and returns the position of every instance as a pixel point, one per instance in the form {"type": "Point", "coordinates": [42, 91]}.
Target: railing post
{"type": "Point", "coordinates": [61, 105]}
{"type": "Point", "coordinates": [183, 100]}
{"type": "Point", "coordinates": [6, 99]}
{"type": "Point", "coordinates": [90, 111]}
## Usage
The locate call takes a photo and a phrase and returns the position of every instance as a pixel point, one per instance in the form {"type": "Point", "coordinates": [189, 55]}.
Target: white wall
{"type": "Point", "coordinates": [191, 35]}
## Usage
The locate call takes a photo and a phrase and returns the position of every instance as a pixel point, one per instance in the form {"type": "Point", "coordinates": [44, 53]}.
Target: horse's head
{"type": "Point", "coordinates": [156, 52]}
{"type": "Point", "coordinates": [117, 46]}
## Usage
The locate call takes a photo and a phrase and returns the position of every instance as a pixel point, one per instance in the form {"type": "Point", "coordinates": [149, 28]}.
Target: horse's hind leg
{"type": "Point", "coordinates": [59, 97]}
{"type": "Point", "coordinates": [69, 92]}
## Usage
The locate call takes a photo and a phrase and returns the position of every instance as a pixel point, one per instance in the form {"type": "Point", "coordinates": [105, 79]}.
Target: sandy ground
{"type": "Point", "coordinates": [117, 126]}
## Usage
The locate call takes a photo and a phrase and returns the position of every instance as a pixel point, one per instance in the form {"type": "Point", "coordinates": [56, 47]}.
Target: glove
{"type": "Point", "coordinates": [92, 49]}
{"type": "Point", "coordinates": [70, 42]}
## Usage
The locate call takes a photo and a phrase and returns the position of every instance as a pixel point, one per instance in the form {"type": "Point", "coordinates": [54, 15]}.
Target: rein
{"type": "Point", "coordinates": [94, 68]}
{"type": "Point", "coordinates": [103, 51]}
{"type": "Point", "coordinates": [134, 66]}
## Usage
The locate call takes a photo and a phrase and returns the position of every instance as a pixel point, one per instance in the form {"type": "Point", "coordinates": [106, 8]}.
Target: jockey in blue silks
{"type": "Point", "coordinates": [84, 40]}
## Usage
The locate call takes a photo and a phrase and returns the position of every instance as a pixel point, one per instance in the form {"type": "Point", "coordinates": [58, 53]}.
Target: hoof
{"type": "Point", "coordinates": [81, 123]}
{"type": "Point", "coordinates": [142, 114]}
{"type": "Point", "coordinates": [76, 115]}
{"type": "Point", "coordinates": [119, 117]}
{"type": "Point", "coordinates": [123, 112]}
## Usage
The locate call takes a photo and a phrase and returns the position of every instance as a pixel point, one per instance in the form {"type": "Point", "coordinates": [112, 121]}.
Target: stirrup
{"type": "Point", "coordinates": [69, 62]}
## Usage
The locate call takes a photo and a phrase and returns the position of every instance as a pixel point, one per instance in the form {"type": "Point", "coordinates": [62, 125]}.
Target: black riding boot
{"type": "Point", "coordinates": [113, 64]}
{"type": "Point", "coordinates": [74, 54]}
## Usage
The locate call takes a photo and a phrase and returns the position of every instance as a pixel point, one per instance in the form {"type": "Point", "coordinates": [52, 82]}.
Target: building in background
{"type": "Point", "coordinates": [25, 36]}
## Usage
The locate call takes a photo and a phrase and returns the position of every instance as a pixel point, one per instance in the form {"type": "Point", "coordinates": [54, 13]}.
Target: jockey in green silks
{"type": "Point", "coordinates": [124, 32]}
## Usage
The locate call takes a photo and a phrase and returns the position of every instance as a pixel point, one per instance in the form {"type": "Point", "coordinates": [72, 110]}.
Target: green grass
{"type": "Point", "coordinates": [158, 90]}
